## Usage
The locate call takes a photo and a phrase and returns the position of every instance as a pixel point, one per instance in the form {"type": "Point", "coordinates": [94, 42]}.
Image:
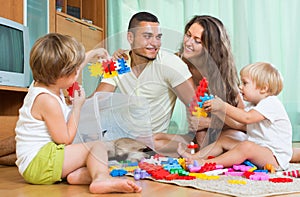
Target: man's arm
{"type": "Point", "coordinates": [185, 91]}
{"type": "Point", "coordinates": [105, 87]}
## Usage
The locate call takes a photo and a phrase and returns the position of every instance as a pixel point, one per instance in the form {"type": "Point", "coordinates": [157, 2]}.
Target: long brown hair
{"type": "Point", "coordinates": [216, 57]}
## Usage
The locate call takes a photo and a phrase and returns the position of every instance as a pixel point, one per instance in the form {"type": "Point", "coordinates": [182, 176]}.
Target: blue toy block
{"type": "Point", "coordinates": [118, 172]}
{"type": "Point", "coordinates": [123, 67]}
{"type": "Point", "coordinates": [248, 163]}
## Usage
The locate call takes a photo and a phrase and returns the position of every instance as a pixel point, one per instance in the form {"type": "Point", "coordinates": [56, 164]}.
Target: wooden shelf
{"type": "Point", "coordinates": [92, 10]}
{"type": "Point", "coordinates": [13, 88]}
{"type": "Point", "coordinates": [71, 18]}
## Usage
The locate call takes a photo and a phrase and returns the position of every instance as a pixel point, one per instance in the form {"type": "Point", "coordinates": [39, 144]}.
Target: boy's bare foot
{"type": "Point", "coordinates": [114, 185]}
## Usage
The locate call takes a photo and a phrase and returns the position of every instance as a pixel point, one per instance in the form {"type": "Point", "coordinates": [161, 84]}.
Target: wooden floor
{"type": "Point", "coordinates": [12, 185]}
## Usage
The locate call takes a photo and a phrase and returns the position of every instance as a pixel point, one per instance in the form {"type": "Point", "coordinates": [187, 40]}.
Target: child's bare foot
{"type": "Point", "coordinates": [114, 185]}
{"type": "Point", "coordinates": [181, 150]}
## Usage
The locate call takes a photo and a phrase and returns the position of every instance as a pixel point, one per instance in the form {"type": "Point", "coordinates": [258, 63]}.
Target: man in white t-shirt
{"type": "Point", "coordinates": [157, 75]}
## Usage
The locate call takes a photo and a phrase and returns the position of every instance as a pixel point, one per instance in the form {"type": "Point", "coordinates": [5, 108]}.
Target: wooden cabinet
{"type": "Point", "coordinates": [83, 19]}
{"type": "Point", "coordinates": [91, 10]}
{"type": "Point", "coordinates": [11, 101]}
{"type": "Point", "coordinates": [67, 25]}
{"type": "Point", "coordinates": [89, 35]}
{"type": "Point", "coordinates": [11, 98]}
{"type": "Point", "coordinates": [12, 9]}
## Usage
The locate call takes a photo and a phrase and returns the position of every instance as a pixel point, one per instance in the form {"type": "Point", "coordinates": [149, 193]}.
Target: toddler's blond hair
{"type": "Point", "coordinates": [264, 75]}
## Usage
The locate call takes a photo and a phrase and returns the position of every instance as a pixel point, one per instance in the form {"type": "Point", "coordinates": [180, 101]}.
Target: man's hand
{"type": "Point", "coordinates": [198, 123]}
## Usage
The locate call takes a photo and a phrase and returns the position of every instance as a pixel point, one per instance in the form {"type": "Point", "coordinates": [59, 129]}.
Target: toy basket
{"type": "Point", "coordinates": [110, 116]}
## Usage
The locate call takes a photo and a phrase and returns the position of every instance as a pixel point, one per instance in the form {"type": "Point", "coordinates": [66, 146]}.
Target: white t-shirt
{"type": "Point", "coordinates": [156, 84]}
{"type": "Point", "coordinates": [32, 134]}
{"type": "Point", "coordinates": [275, 132]}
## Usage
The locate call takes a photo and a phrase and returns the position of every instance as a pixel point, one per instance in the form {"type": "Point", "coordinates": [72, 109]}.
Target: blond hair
{"type": "Point", "coordinates": [264, 75]}
{"type": "Point", "coordinates": [54, 56]}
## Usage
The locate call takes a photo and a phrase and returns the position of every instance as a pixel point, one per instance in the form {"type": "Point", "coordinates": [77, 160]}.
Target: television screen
{"type": "Point", "coordinates": [14, 54]}
{"type": "Point", "coordinates": [11, 50]}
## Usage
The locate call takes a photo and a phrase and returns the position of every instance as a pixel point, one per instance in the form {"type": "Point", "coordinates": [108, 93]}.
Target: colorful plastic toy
{"type": "Point", "coordinates": [71, 89]}
{"type": "Point", "coordinates": [234, 173]}
{"type": "Point", "coordinates": [248, 163]}
{"type": "Point", "coordinates": [201, 96]}
{"type": "Point", "coordinates": [109, 68]}
{"type": "Point", "coordinates": [118, 172]}
{"type": "Point", "coordinates": [192, 147]}
{"type": "Point", "coordinates": [240, 182]}
{"type": "Point", "coordinates": [203, 176]}
{"type": "Point", "coordinates": [292, 173]}
{"type": "Point", "coordinates": [270, 168]}
{"type": "Point", "coordinates": [216, 172]}
{"type": "Point", "coordinates": [281, 180]}
{"type": "Point", "coordinates": [96, 69]}
{"type": "Point", "coordinates": [242, 168]}
{"type": "Point", "coordinates": [140, 174]}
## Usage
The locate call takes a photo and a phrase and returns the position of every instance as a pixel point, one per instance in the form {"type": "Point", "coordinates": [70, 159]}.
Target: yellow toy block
{"type": "Point", "coordinates": [199, 112]}
{"type": "Point", "coordinates": [240, 182]}
{"type": "Point", "coordinates": [96, 69]}
{"type": "Point", "coordinates": [112, 74]}
{"type": "Point", "coordinates": [203, 176]}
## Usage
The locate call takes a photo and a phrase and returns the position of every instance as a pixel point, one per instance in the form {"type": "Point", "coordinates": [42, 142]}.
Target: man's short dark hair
{"type": "Point", "coordinates": [139, 17]}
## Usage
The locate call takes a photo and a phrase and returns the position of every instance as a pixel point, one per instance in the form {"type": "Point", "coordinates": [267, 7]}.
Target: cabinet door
{"type": "Point", "coordinates": [13, 10]}
{"type": "Point", "coordinates": [68, 26]}
{"type": "Point", "coordinates": [91, 37]}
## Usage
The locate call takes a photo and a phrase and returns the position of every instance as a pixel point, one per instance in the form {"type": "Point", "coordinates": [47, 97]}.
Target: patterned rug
{"type": "Point", "coordinates": [251, 188]}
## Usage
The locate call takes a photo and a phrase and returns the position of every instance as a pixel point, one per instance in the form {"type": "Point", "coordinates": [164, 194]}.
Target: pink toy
{"type": "Point", "coordinates": [293, 173]}
{"type": "Point", "coordinates": [259, 176]}
{"type": "Point", "coordinates": [234, 173]}
{"type": "Point", "coordinates": [194, 168]}
{"type": "Point", "coordinates": [242, 168]}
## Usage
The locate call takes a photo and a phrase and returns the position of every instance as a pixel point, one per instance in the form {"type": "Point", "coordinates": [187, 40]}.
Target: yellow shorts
{"type": "Point", "coordinates": [46, 167]}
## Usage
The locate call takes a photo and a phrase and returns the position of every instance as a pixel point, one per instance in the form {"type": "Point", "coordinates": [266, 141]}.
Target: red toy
{"type": "Point", "coordinates": [201, 95]}
{"type": "Point", "coordinates": [193, 147]}
{"type": "Point", "coordinates": [71, 89]}
{"type": "Point", "coordinates": [293, 173]}
{"type": "Point", "coordinates": [281, 180]}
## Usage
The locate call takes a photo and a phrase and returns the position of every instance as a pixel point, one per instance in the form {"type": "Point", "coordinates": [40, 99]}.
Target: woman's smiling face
{"type": "Point", "coordinates": [192, 44]}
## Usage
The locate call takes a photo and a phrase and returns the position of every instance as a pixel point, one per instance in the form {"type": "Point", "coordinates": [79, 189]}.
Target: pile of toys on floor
{"type": "Point", "coordinates": [158, 167]}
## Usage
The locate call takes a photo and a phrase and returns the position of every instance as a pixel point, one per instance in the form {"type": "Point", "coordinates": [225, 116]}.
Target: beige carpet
{"type": "Point", "coordinates": [251, 188]}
